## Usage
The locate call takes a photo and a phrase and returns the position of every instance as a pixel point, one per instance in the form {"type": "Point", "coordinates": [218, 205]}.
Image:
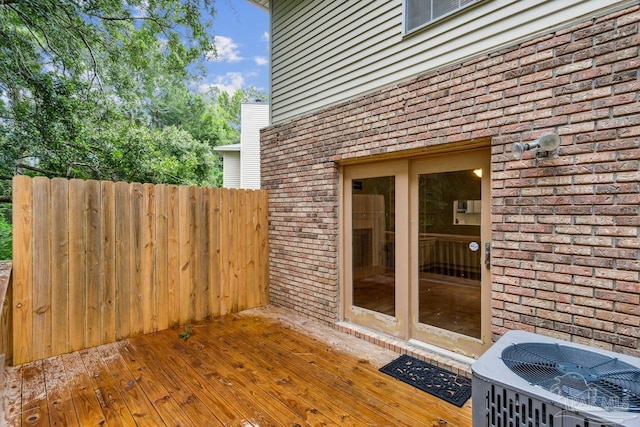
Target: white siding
{"type": "Point", "coordinates": [325, 52]}
{"type": "Point", "coordinates": [231, 169]}
{"type": "Point", "coordinates": [253, 117]}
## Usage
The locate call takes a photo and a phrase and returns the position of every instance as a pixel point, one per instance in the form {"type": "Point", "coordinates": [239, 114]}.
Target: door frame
{"type": "Point", "coordinates": [404, 324]}
{"type": "Point", "coordinates": [393, 325]}
{"type": "Point", "coordinates": [444, 338]}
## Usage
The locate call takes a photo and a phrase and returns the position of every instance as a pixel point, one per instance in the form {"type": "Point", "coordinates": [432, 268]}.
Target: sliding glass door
{"type": "Point", "coordinates": [417, 249]}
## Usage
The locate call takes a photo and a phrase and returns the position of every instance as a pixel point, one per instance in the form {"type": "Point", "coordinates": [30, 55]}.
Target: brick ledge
{"type": "Point", "coordinates": [402, 346]}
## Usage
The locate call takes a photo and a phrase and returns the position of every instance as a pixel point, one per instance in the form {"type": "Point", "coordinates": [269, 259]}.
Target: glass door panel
{"type": "Point", "coordinates": [450, 251]}
{"type": "Point", "coordinates": [373, 244]}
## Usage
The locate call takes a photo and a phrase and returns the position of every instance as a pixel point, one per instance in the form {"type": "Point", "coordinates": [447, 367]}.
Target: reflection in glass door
{"type": "Point", "coordinates": [373, 244]}
{"type": "Point", "coordinates": [450, 251]}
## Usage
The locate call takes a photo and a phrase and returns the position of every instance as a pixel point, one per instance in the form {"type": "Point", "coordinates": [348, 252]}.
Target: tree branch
{"type": "Point", "coordinates": [29, 25]}
{"type": "Point", "coordinates": [83, 38]}
{"type": "Point", "coordinates": [50, 174]}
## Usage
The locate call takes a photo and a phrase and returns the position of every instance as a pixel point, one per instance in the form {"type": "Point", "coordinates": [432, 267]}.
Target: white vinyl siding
{"type": "Point", "coordinates": [326, 52]}
{"type": "Point", "coordinates": [231, 169]}
{"type": "Point", "coordinates": [253, 117]}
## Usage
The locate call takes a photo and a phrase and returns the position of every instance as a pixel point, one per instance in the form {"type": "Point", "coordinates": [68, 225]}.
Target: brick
{"type": "Point", "coordinates": [628, 18]}
{"type": "Point", "coordinates": [620, 297]}
{"type": "Point", "coordinates": [562, 227]}
{"type": "Point", "coordinates": [554, 315]}
{"type": "Point", "coordinates": [589, 301]}
{"type": "Point", "coordinates": [591, 73]}
{"type": "Point", "coordinates": [620, 318]}
{"type": "Point", "coordinates": [591, 324]}
{"type": "Point", "coordinates": [615, 339]}
{"type": "Point", "coordinates": [594, 262]}
{"type": "Point", "coordinates": [617, 56]}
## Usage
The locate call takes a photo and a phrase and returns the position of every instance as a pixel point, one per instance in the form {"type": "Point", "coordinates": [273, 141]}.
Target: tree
{"type": "Point", "coordinates": [212, 118]}
{"type": "Point", "coordinates": [78, 80]}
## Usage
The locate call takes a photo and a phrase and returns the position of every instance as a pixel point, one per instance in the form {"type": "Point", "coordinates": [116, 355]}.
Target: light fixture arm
{"type": "Point", "coordinates": [546, 143]}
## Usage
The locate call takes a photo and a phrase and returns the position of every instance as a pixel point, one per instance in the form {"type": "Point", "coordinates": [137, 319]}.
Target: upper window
{"type": "Point", "coordinates": [418, 13]}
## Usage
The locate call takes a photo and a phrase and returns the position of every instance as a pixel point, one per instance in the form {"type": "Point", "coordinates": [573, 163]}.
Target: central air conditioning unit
{"type": "Point", "coordinates": [531, 380]}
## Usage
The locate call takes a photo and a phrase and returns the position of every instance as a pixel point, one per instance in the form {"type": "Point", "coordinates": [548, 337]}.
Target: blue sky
{"type": "Point", "coordinates": [241, 32]}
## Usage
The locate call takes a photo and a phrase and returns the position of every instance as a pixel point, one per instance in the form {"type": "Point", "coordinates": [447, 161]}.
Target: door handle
{"type": "Point", "coordinates": [487, 255]}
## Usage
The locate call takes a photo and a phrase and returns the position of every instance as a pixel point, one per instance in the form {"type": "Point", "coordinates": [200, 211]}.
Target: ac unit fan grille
{"type": "Point", "coordinates": [577, 374]}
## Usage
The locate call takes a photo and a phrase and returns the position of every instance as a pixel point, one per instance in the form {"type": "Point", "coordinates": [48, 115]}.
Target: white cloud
{"type": "Point", "coordinates": [226, 50]}
{"type": "Point", "coordinates": [230, 82]}
{"type": "Point", "coordinates": [265, 37]}
{"type": "Point", "coordinates": [261, 60]}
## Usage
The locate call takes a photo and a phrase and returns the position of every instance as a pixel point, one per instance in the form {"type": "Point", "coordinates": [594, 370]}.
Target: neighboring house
{"type": "Point", "coordinates": [230, 165]}
{"type": "Point", "coordinates": [398, 208]}
{"type": "Point", "coordinates": [241, 162]}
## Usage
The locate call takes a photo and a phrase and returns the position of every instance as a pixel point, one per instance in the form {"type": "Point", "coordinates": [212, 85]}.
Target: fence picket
{"type": "Point", "coordinates": [41, 274]}
{"type": "Point", "coordinates": [77, 265]}
{"type": "Point", "coordinates": [241, 252]}
{"type": "Point", "coordinates": [147, 270]}
{"type": "Point", "coordinates": [123, 243]}
{"type": "Point", "coordinates": [135, 259]}
{"type": "Point", "coordinates": [59, 265]}
{"type": "Point", "coordinates": [185, 254]}
{"type": "Point", "coordinates": [225, 249]}
{"type": "Point", "coordinates": [233, 250]}
{"type": "Point", "coordinates": [214, 258]}
{"type": "Point", "coordinates": [263, 256]}
{"type": "Point", "coordinates": [161, 260]}
{"type": "Point", "coordinates": [108, 262]}
{"type": "Point", "coordinates": [173, 256]}
{"type": "Point", "coordinates": [94, 262]}
{"type": "Point", "coordinates": [194, 253]}
{"type": "Point", "coordinates": [203, 253]}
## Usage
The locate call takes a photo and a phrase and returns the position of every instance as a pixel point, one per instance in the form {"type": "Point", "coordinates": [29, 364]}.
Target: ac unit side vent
{"type": "Point", "coordinates": [507, 408]}
{"type": "Point", "coordinates": [502, 407]}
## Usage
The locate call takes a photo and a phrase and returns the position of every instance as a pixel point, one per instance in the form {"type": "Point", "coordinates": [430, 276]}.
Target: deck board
{"type": "Point", "coordinates": [59, 400]}
{"type": "Point", "coordinates": [85, 399]}
{"type": "Point", "coordinates": [246, 369]}
{"type": "Point", "coordinates": [34, 396]}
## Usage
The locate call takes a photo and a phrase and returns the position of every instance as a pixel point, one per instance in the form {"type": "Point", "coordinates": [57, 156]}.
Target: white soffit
{"type": "Point", "coordinates": [263, 4]}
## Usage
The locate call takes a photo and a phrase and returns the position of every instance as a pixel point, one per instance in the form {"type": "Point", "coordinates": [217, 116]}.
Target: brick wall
{"type": "Point", "coordinates": [566, 258]}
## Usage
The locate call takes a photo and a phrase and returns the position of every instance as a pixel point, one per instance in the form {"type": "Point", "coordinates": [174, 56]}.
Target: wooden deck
{"type": "Point", "coordinates": [249, 369]}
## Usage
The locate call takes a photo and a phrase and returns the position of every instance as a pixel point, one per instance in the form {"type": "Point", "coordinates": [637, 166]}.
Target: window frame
{"type": "Point", "coordinates": [406, 31]}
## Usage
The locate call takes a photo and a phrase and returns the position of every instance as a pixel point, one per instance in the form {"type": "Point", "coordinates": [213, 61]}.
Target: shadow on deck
{"type": "Point", "coordinates": [262, 367]}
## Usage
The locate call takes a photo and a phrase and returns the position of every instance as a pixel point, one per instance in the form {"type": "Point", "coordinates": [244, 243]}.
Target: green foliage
{"type": "Point", "coordinates": [169, 155]}
{"type": "Point", "coordinates": [79, 80]}
{"type": "Point", "coordinates": [186, 334]}
{"type": "Point", "coordinates": [6, 232]}
{"type": "Point", "coordinates": [99, 90]}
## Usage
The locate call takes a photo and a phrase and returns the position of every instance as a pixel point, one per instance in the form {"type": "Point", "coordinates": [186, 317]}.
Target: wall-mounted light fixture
{"type": "Point", "coordinates": [545, 143]}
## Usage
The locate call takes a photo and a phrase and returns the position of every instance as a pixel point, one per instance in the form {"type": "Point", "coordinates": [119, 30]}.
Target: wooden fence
{"type": "Point", "coordinates": [95, 262]}
{"type": "Point", "coordinates": [6, 344]}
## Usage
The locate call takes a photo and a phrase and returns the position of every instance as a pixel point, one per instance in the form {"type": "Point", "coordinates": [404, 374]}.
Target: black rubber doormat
{"type": "Point", "coordinates": [446, 385]}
